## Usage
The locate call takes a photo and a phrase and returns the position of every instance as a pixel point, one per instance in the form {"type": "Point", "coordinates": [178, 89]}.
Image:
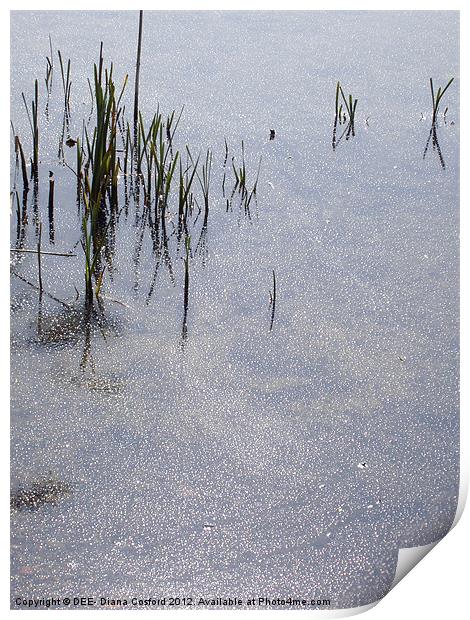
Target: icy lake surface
{"type": "Point", "coordinates": [250, 462]}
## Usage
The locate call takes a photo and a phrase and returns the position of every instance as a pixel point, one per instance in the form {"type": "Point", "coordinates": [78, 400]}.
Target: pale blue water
{"type": "Point", "coordinates": [256, 433]}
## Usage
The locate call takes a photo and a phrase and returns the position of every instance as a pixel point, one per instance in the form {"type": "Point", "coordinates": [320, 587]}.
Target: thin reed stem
{"type": "Point", "coordinates": [137, 74]}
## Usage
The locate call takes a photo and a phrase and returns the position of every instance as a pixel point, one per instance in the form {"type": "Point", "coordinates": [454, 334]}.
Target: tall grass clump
{"type": "Point", "coordinates": [100, 175]}
{"type": "Point", "coordinates": [177, 188]}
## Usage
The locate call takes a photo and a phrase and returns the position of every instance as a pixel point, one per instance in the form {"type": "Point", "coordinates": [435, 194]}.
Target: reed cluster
{"type": "Point", "coordinates": [437, 98]}
{"type": "Point", "coordinates": [241, 183]}
{"type": "Point", "coordinates": [98, 175]}
{"type": "Point", "coordinates": [433, 139]}
{"type": "Point", "coordinates": [349, 103]}
{"type": "Point", "coordinates": [176, 184]}
{"type": "Point", "coordinates": [345, 114]}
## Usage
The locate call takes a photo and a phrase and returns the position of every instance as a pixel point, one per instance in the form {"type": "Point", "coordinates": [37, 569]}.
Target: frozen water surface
{"type": "Point", "coordinates": [291, 462]}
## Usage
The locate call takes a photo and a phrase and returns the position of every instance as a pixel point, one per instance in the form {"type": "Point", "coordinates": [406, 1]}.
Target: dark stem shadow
{"type": "Point", "coordinates": [434, 141]}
